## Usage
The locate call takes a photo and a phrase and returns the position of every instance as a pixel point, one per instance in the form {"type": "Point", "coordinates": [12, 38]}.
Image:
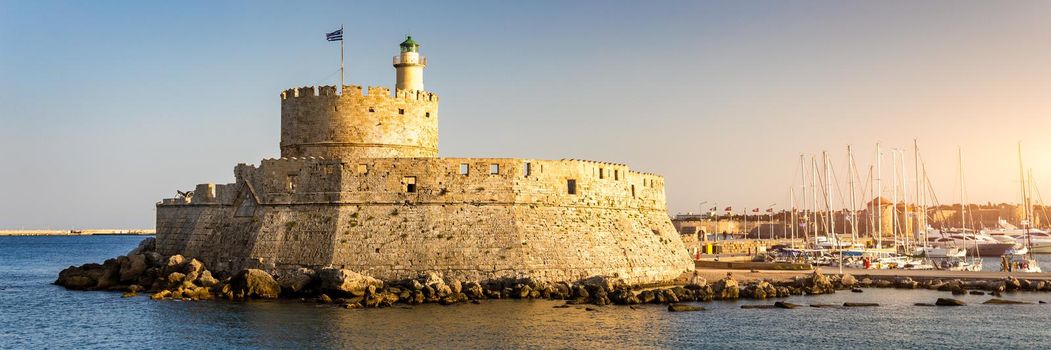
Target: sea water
{"type": "Point", "coordinates": [37, 314]}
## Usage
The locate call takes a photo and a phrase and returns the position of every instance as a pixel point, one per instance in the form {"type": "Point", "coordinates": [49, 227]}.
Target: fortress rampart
{"type": "Point", "coordinates": [393, 217]}
{"type": "Point", "coordinates": [359, 186]}
{"type": "Point", "coordinates": [319, 122]}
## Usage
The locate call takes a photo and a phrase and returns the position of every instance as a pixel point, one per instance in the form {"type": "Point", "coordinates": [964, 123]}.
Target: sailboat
{"type": "Point", "coordinates": [1026, 263]}
{"type": "Point", "coordinates": [961, 237]}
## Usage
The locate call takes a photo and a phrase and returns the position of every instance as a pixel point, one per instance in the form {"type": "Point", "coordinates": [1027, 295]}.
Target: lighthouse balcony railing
{"type": "Point", "coordinates": [410, 60]}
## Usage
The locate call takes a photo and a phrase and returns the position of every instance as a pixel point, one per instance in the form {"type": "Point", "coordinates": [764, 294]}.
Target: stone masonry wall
{"type": "Point", "coordinates": [493, 222]}
{"type": "Point", "coordinates": [319, 122]}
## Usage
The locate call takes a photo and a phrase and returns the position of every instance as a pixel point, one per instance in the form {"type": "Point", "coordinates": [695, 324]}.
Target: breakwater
{"type": "Point", "coordinates": [144, 270]}
{"type": "Point", "coordinates": [77, 232]}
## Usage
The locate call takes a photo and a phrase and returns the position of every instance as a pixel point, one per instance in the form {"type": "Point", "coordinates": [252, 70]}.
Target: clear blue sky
{"type": "Point", "coordinates": [107, 107]}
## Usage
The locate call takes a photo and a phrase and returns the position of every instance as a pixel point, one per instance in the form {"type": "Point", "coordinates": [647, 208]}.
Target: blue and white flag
{"type": "Point", "coordinates": [335, 36]}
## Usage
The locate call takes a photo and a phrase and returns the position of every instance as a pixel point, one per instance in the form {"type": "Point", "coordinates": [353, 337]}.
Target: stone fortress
{"type": "Point", "coordinates": [360, 186]}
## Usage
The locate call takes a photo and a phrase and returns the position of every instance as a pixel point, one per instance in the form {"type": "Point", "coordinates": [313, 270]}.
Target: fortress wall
{"type": "Point", "coordinates": [439, 180]}
{"type": "Point", "coordinates": [321, 123]}
{"type": "Point", "coordinates": [355, 213]}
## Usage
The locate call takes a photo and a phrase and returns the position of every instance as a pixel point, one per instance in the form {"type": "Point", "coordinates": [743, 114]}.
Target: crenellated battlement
{"type": "Point", "coordinates": [352, 91]}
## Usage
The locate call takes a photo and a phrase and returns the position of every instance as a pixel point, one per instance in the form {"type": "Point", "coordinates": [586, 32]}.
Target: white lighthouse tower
{"type": "Point", "coordinates": [409, 65]}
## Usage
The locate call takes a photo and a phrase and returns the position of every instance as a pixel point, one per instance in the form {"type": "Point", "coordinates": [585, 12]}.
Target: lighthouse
{"type": "Point", "coordinates": [409, 66]}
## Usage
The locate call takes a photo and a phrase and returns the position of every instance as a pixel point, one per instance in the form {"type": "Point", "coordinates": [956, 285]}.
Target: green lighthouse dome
{"type": "Point", "coordinates": [409, 45]}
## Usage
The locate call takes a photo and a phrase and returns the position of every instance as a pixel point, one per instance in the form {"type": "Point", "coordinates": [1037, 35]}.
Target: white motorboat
{"type": "Point", "coordinates": [976, 244]}
{"type": "Point", "coordinates": [1039, 241]}
{"type": "Point", "coordinates": [941, 252]}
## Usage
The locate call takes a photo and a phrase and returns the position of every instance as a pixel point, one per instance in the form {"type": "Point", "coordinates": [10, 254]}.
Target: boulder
{"type": "Point", "coordinates": [455, 286]}
{"type": "Point", "coordinates": [110, 274]}
{"type": "Point", "coordinates": [581, 292]}
{"type": "Point", "coordinates": [192, 269]}
{"type": "Point", "coordinates": [696, 281]}
{"type": "Point", "coordinates": [206, 280]}
{"type": "Point", "coordinates": [254, 283]}
{"type": "Point", "coordinates": [146, 245]}
{"type": "Point", "coordinates": [758, 306]}
{"type": "Point", "coordinates": [684, 308]}
{"type": "Point", "coordinates": [474, 290]}
{"type": "Point", "coordinates": [80, 278]}
{"type": "Point", "coordinates": [154, 259]}
{"type": "Point", "coordinates": [131, 267]}
{"type": "Point", "coordinates": [605, 283]}
{"type": "Point", "coordinates": [347, 282]}
{"type": "Point", "coordinates": [996, 301]}
{"type": "Point", "coordinates": [174, 262]}
{"type": "Point", "coordinates": [949, 302]}
{"type": "Point", "coordinates": [296, 281]}
{"type": "Point", "coordinates": [600, 297]}
{"type": "Point", "coordinates": [727, 289]}
{"type": "Point", "coordinates": [818, 283]}
{"type": "Point", "coordinates": [647, 297]}
{"type": "Point", "coordinates": [906, 283]}
{"type": "Point", "coordinates": [198, 293]}
{"type": "Point", "coordinates": [848, 280]}
{"type": "Point", "coordinates": [670, 296]}
{"type": "Point", "coordinates": [161, 295]}
{"type": "Point", "coordinates": [175, 278]}
{"type": "Point", "coordinates": [1012, 284]}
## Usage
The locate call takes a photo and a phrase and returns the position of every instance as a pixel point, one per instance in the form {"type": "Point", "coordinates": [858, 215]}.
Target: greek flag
{"type": "Point", "coordinates": [335, 36]}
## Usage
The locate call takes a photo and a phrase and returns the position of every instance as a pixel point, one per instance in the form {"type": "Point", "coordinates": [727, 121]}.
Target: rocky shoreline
{"type": "Point", "coordinates": [143, 270]}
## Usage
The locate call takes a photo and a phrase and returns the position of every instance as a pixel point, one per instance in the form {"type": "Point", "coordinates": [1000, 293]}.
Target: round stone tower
{"type": "Point", "coordinates": [409, 64]}
{"type": "Point", "coordinates": [320, 122]}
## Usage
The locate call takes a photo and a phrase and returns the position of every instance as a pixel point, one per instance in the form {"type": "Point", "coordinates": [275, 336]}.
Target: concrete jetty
{"type": "Point", "coordinates": [917, 275]}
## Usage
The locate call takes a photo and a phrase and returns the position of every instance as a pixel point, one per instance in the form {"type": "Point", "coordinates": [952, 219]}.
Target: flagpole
{"type": "Point", "coordinates": [341, 81]}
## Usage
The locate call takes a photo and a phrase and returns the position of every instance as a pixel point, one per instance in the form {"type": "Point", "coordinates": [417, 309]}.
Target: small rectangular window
{"type": "Point", "coordinates": [571, 186]}
{"type": "Point", "coordinates": [408, 184]}
{"type": "Point", "coordinates": [527, 169]}
{"type": "Point", "coordinates": [428, 114]}
{"type": "Point", "coordinates": [372, 110]}
{"type": "Point", "coordinates": [616, 174]}
{"type": "Point", "coordinates": [464, 168]}
{"type": "Point", "coordinates": [601, 173]}
{"type": "Point", "coordinates": [632, 191]}
{"type": "Point", "coordinates": [401, 111]}
{"type": "Point", "coordinates": [494, 169]}
{"type": "Point", "coordinates": [291, 183]}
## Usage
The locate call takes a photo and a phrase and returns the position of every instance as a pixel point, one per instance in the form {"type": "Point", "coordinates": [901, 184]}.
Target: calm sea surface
{"type": "Point", "coordinates": [36, 314]}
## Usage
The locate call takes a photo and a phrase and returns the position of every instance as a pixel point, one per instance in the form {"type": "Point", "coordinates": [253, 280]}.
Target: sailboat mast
{"type": "Point", "coordinates": [917, 217]}
{"type": "Point", "coordinates": [1029, 214]}
{"type": "Point", "coordinates": [894, 227]}
{"type": "Point", "coordinates": [792, 198]}
{"type": "Point", "coordinates": [828, 198]}
{"type": "Point", "coordinates": [963, 208]}
{"type": "Point", "coordinates": [813, 193]}
{"type": "Point", "coordinates": [871, 212]}
{"type": "Point", "coordinates": [802, 171]}
{"type": "Point", "coordinates": [923, 206]}
{"type": "Point", "coordinates": [1025, 197]}
{"type": "Point", "coordinates": [907, 241]}
{"type": "Point", "coordinates": [853, 204]}
{"type": "Point", "coordinates": [879, 199]}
